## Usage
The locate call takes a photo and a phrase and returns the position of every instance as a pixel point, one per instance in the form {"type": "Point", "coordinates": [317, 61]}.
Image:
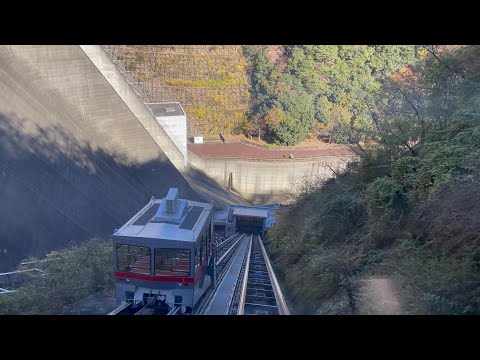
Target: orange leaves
{"type": "Point", "coordinates": [274, 118]}
{"type": "Point", "coordinates": [405, 74]}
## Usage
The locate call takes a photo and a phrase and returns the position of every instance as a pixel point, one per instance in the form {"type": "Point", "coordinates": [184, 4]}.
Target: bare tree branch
{"type": "Point", "coordinates": [432, 52]}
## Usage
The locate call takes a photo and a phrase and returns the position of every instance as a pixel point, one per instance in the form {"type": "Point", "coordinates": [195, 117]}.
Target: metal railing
{"type": "Point", "coordinates": [281, 303]}
{"type": "Point", "coordinates": [5, 291]}
{"type": "Point", "coordinates": [13, 277]}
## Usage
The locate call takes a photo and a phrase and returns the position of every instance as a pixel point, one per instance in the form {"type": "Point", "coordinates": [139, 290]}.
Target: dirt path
{"type": "Point", "coordinates": [378, 296]}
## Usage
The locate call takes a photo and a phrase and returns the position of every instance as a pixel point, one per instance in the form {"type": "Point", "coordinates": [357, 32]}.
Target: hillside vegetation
{"type": "Point", "coordinates": [408, 208]}
{"type": "Point", "coordinates": [281, 94]}
{"type": "Point", "coordinates": [325, 91]}
{"type": "Point", "coordinates": [210, 81]}
{"type": "Point", "coordinates": [76, 272]}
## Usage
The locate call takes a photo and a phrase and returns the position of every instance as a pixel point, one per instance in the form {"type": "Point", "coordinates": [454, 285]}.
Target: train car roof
{"type": "Point", "coordinates": [157, 221]}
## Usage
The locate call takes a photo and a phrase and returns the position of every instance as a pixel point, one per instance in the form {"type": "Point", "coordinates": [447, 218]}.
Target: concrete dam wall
{"type": "Point", "coordinates": [268, 180]}
{"type": "Point", "coordinates": [76, 156]}
{"type": "Point", "coordinates": [118, 82]}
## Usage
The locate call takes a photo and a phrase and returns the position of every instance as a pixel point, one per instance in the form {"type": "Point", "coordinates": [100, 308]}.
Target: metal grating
{"type": "Point", "coordinates": [191, 218]}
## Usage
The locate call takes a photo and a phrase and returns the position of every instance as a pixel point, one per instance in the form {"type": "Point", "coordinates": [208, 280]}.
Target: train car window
{"type": "Point", "coordinates": [172, 262]}
{"type": "Point", "coordinates": [133, 259]}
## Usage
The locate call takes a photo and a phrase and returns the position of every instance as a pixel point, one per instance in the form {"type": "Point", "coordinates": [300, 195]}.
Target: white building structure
{"type": "Point", "coordinates": [173, 120]}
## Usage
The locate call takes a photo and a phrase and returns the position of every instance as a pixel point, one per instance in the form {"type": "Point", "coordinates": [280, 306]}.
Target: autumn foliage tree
{"type": "Point", "coordinates": [332, 85]}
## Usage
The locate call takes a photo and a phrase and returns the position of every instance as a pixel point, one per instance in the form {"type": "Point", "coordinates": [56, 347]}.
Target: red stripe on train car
{"type": "Point", "coordinates": [123, 275]}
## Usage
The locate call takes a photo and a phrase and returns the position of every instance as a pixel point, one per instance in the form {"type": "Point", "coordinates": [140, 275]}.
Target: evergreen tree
{"type": "Point", "coordinates": [328, 84]}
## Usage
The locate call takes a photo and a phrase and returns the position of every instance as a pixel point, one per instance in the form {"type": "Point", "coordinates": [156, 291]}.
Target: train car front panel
{"type": "Point", "coordinates": [142, 268]}
{"type": "Point", "coordinates": [165, 250]}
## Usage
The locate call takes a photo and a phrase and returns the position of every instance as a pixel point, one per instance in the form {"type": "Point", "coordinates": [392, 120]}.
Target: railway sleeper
{"type": "Point", "coordinates": [260, 293]}
{"type": "Point", "coordinates": [256, 275]}
{"type": "Point", "coordinates": [255, 286]}
{"type": "Point", "coordinates": [259, 271]}
{"type": "Point", "coordinates": [259, 282]}
{"type": "Point", "coordinates": [259, 266]}
{"type": "Point", "coordinates": [255, 309]}
{"type": "Point", "coordinates": [260, 300]}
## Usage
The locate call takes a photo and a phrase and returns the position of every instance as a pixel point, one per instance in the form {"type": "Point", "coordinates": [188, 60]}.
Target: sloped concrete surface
{"type": "Point", "coordinates": [75, 161]}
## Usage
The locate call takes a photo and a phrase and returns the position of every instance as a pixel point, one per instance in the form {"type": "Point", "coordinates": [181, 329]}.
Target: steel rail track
{"type": "Point", "coordinates": [243, 292]}
{"type": "Point", "coordinates": [224, 254]}
{"type": "Point", "coordinates": [260, 291]}
{"type": "Point", "coordinates": [120, 309]}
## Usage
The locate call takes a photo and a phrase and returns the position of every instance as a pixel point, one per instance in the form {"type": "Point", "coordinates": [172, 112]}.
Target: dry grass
{"type": "Point", "coordinates": [452, 217]}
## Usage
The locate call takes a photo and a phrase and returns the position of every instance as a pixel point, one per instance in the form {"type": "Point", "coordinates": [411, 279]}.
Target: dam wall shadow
{"type": "Point", "coordinates": [75, 162]}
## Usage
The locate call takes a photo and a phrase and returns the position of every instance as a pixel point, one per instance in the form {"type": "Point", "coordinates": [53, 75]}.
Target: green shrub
{"type": "Point", "coordinates": [407, 210]}
{"type": "Point", "coordinates": [80, 271]}
{"type": "Point", "coordinates": [339, 215]}
{"type": "Point", "coordinates": [386, 196]}
{"type": "Point", "coordinates": [404, 170]}
{"type": "Point", "coordinates": [444, 284]}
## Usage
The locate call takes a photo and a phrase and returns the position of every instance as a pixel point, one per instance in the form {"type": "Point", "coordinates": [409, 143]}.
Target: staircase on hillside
{"type": "Point", "coordinates": [137, 86]}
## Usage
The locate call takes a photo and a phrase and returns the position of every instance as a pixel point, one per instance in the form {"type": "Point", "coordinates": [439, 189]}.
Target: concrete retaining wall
{"type": "Point", "coordinates": [266, 181]}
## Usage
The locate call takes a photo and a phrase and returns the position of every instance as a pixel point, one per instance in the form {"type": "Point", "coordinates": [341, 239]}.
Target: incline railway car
{"type": "Point", "coordinates": [165, 251]}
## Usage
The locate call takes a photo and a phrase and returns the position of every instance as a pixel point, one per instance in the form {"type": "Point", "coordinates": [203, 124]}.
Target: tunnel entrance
{"type": "Point", "coordinates": [249, 225]}
{"type": "Point", "coordinates": [246, 219]}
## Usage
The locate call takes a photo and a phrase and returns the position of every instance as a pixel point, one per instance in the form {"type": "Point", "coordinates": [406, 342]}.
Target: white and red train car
{"type": "Point", "coordinates": [166, 251]}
